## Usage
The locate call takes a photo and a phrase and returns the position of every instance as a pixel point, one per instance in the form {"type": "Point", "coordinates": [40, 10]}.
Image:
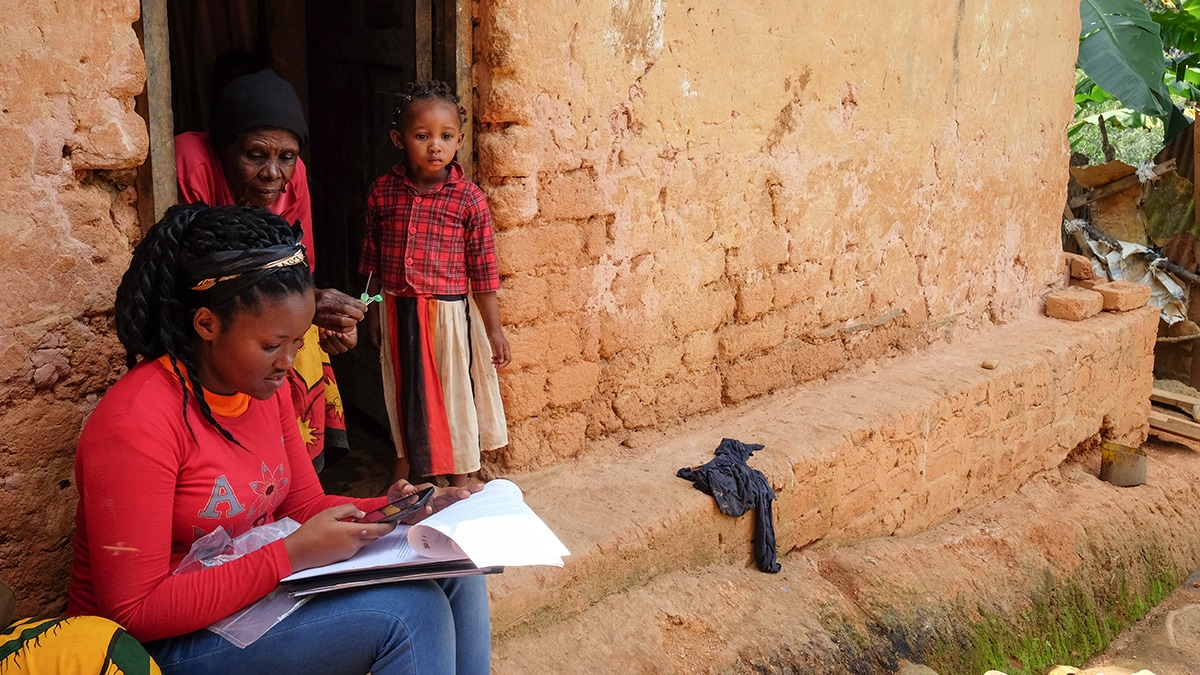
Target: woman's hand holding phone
{"type": "Point", "coordinates": [398, 509]}
{"type": "Point", "coordinates": [331, 536]}
{"type": "Point", "coordinates": [440, 498]}
{"type": "Point", "coordinates": [337, 533]}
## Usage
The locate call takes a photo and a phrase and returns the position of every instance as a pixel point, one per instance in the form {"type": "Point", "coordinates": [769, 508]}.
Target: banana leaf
{"type": "Point", "coordinates": [1121, 51]}
{"type": "Point", "coordinates": [1180, 29]}
{"type": "Point", "coordinates": [1093, 95]}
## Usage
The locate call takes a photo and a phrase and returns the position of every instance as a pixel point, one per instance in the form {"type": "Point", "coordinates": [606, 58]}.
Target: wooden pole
{"type": "Point", "coordinates": [423, 14]}
{"type": "Point", "coordinates": [1193, 303]}
{"type": "Point", "coordinates": [1119, 185]}
{"type": "Point", "coordinates": [463, 62]}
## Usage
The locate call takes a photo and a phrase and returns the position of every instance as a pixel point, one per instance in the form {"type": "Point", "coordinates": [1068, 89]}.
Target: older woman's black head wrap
{"type": "Point", "coordinates": [253, 101]}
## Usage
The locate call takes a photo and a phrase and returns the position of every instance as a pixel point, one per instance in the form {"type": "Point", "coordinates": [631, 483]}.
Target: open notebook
{"type": "Point", "coordinates": [491, 530]}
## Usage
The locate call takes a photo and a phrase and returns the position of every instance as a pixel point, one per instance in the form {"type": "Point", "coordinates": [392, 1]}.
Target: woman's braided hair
{"type": "Point", "coordinates": [423, 90]}
{"type": "Point", "coordinates": [154, 304]}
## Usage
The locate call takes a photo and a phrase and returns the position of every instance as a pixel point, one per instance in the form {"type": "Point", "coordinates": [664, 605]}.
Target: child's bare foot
{"type": "Point", "coordinates": [460, 479]}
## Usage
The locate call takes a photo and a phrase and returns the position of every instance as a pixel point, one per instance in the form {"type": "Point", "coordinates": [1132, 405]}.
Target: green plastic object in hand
{"type": "Point", "coordinates": [366, 296]}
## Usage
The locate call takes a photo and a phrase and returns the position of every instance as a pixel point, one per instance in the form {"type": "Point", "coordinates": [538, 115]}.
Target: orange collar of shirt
{"type": "Point", "coordinates": [231, 405]}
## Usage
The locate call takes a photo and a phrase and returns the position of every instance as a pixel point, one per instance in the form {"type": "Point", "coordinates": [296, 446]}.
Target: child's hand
{"type": "Point", "coordinates": [501, 353]}
{"type": "Point", "coordinates": [373, 331]}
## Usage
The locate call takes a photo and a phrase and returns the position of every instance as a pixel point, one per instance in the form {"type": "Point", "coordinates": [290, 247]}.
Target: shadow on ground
{"type": "Point", "coordinates": [364, 471]}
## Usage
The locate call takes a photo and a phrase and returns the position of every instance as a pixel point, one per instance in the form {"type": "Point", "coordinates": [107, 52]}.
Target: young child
{"type": "Point", "coordinates": [429, 248]}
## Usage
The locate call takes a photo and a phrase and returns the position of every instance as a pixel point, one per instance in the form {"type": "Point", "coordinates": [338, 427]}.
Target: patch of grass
{"type": "Point", "coordinates": [1133, 146]}
{"type": "Point", "coordinates": [1066, 623]}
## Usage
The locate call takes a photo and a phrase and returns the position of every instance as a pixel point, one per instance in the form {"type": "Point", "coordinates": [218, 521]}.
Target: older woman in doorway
{"type": "Point", "coordinates": [251, 157]}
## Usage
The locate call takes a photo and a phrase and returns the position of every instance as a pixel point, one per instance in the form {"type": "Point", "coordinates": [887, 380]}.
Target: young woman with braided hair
{"type": "Point", "coordinates": [201, 434]}
{"type": "Point", "coordinates": [429, 247]}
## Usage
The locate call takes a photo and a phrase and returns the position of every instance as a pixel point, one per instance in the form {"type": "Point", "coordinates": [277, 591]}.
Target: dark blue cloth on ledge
{"type": "Point", "coordinates": [737, 488]}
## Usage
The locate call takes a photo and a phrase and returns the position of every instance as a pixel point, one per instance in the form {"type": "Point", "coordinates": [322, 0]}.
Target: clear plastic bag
{"type": "Point", "coordinates": [217, 548]}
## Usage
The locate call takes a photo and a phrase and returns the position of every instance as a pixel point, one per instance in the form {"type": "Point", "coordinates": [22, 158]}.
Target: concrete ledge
{"type": "Point", "coordinates": [897, 449]}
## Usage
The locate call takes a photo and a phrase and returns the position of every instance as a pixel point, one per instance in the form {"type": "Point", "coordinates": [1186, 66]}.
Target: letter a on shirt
{"type": "Point", "coordinates": [222, 493]}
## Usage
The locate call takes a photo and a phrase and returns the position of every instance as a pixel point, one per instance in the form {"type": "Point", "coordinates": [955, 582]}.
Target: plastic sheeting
{"type": "Point", "coordinates": [1136, 263]}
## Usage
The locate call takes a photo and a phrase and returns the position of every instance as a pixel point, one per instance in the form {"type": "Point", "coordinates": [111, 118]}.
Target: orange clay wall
{"type": "Point", "coordinates": [69, 145]}
{"type": "Point", "coordinates": [700, 203]}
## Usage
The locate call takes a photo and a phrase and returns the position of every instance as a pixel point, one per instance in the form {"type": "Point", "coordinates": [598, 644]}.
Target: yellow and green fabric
{"type": "Point", "coordinates": [75, 645]}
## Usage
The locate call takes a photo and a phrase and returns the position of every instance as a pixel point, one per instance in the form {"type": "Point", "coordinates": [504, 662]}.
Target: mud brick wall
{"type": "Point", "coordinates": [896, 449]}
{"type": "Point", "coordinates": [69, 143]}
{"type": "Point", "coordinates": [702, 203]}
{"type": "Point", "coordinates": [698, 204]}
{"type": "Point", "coordinates": [937, 433]}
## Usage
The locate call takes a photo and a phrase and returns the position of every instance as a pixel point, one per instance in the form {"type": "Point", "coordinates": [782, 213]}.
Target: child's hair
{"type": "Point", "coordinates": [421, 91]}
{"type": "Point", "coordinates": [225, 247]}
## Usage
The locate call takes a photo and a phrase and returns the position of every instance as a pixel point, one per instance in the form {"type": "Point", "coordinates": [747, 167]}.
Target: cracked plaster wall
{"type": "Point", "coordinates": [700, 203]}
{"type": "Point", "coordinates": [69, 143]}
{"type": "Point", "coordinates": [697, 204]}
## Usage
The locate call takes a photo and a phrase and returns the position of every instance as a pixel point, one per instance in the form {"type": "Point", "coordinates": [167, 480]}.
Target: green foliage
{"type": "Point", "coordinates": [1148, 59]}
{"type": "Point", "coordinates": [1121, 51]}
{"type": "Point", "coordinates": [1180, 29]}
{"type": "Point", "coordinates": [1135, 137]}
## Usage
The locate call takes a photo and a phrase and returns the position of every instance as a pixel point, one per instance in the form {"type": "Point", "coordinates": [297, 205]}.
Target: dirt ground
{"type": "Point", "coordinates": [1167, 640]}
{"type": "Point", "coordinates": [882, 605]}
{"type": "Point", "coordinates": [1126, 525]}
{"type": "Point", "coordinates": [1066, 524]}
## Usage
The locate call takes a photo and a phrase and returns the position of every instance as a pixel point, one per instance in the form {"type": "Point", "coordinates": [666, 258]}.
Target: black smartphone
{"type": "Point", "coordinates": [399, 508]}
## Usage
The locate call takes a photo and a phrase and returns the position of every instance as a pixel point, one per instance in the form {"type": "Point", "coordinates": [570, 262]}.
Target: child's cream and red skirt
{"type": "Point", "coordinates": [441, 389]}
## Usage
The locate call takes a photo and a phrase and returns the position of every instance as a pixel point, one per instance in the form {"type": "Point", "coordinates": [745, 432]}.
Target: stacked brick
{"type": "Point", "coordinates": [1088, 295]}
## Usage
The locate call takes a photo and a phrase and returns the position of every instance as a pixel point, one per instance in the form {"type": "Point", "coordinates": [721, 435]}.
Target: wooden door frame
{"type": "Point", "coordinates": [156, 185]}
{"type": "Point", "coordinates": [156, 182]}
{"type": "Point", "coordinates": [464, 55]}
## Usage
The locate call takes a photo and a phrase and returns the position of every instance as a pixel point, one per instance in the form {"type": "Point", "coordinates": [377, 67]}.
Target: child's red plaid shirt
{"type": "Point", "coordinates": [432, 243]}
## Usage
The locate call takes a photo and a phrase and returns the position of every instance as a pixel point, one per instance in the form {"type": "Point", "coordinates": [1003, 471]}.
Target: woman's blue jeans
{"type": "Point", "coordinates": [412, 627]}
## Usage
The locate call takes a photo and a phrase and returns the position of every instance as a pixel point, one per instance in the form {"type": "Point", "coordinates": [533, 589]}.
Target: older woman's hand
{"type": "Point", "coordinates": [338, 343]}
{"type": "Point", "coordinates": [336, 311]}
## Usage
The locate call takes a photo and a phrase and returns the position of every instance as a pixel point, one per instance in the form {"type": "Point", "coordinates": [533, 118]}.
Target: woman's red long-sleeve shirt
{"type": "Point", "coordinates": [148, 489]}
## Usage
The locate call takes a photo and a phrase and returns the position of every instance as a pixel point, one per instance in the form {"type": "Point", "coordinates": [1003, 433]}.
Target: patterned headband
{"type": "Point", "coordinates": [208, 271]}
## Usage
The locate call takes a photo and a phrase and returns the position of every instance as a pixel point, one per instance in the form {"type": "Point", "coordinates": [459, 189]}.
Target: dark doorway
{"type": "Point", "coordinates": [347, 60]}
